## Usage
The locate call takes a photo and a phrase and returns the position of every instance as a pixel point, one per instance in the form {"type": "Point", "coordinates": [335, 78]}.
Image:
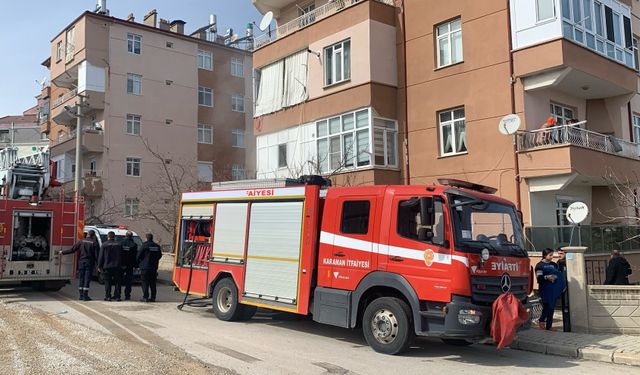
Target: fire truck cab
{"type": "Point", "coordinates": [397, 261]}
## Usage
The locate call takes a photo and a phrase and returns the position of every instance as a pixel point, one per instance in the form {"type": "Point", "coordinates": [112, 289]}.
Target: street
{"type": "Point", "coordinates": [53, 333]}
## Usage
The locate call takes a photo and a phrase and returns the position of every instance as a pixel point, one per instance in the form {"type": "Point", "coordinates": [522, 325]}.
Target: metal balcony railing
{"type": "Point", "coordinates": [307, 19]}
{"type": "Point", "coordinates": [576, 136]}
{"type": "Point", "coordinates": [599, 239]}
{"type": "Point", "coordinates": [58, 102]}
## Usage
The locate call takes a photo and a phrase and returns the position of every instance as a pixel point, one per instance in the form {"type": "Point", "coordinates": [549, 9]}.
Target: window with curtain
{"type": "Point", "coordinates": [282, 84]}
{"type": "Point", "coordinates": [453, 132]}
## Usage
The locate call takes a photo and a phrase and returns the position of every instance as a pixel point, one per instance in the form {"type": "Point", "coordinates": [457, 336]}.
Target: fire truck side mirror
{"type": "Point", "coordinates": [427, 212]}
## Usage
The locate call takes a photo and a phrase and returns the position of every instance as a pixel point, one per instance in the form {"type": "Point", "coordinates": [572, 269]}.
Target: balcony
{"type": "Point", "coordinates": [61, 100]}
{"type": "Point", "coordinates": [92, 184]}
{"type": "Point", "coordinates": [92, 141]}
{"type": "Point", "coordinates": [306, 19]}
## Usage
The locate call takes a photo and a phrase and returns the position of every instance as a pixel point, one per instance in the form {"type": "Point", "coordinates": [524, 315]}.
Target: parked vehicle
{"type": "Point", "coordinates": [120, 231]}
{"type": "Point", "coordinates": [397, 261]}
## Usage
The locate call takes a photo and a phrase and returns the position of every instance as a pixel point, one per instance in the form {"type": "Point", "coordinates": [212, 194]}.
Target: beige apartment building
{"type": "Point", "coordinates": [462, 66]}
{"type": "Point", "coordinates": [164, 112]}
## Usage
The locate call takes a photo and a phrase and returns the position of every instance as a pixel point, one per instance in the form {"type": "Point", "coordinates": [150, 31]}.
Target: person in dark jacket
{"type": "Point", "coordinates": [89, 249]}
{"type": "Point", "coordinates": [129, 254]}
{"type": "Point", "coordinates": [618, 270]}
{"type": "Point", "coordinates": [148, 257]}
{"type": "Point", "coordinates": [110, 262]}
{"type": "Point", "coordinates": [550, 286]}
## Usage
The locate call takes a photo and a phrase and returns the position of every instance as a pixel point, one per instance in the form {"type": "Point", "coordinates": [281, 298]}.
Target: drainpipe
{"type": "Point", "coordinates": [407, 174]}
{"type": "Point", "coordinates": [632, 136]}
{"type": "Point", "coordinates": [512, 84]}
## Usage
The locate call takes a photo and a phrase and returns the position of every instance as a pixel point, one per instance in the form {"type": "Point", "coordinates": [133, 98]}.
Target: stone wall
{"type": "Point", "coordinates": [614, 309]}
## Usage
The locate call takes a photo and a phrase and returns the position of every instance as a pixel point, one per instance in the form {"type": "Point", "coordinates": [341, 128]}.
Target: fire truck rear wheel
{"type": "Point", "coordinates": [225, 302]}
{"type": "Point", "coordinates": [387, 325]}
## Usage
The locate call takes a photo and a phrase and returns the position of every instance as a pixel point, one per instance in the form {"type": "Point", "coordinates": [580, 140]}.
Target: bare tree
{"type": "Point", "coordinates": [316, 165]}
{"type": "Point", "coordinates": [625, 193]}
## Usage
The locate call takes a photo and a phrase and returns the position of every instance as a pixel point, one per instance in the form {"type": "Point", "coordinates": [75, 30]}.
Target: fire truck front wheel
{"type": "Point", "coordinates": [225, 302]}
{"type": "Point", "coordinates": [387, 325]}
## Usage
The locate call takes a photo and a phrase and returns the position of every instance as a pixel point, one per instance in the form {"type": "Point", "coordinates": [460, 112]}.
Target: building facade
{"type": "Point", "coordinates": [462, 66]}
{"type": "Point", "coordinates": [22, 132]}
{"type": "Point", "coordinates": [162, 112]}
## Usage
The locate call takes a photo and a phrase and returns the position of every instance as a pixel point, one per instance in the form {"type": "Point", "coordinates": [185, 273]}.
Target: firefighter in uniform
{"type": "Point", "coordinates": [110, 262]}
{"type": "Point", "coordinates": [89, 249]}
{"type": "Point", "coordinates": [148, 257]}
{"type": "Point", "coordinates": [129, 253]}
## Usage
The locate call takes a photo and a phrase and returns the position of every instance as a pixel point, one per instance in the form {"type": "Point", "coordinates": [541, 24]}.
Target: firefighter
{"type": "Point", "coordinates": [110, 262]}
{"type": "Point", "coordinates": [148, 257]}
{"type": "Point", "coordinates": [89, 249]}
{"type": "Point", "coordinates": [129, 253]}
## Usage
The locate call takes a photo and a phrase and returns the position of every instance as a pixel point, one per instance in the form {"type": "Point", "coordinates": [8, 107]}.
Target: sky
{"type": "Point", "coordinates": [29, 26]}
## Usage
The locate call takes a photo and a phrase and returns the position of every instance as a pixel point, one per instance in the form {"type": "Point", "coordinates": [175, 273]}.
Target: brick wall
{"type": "Point", "coordinates": [614, 309]}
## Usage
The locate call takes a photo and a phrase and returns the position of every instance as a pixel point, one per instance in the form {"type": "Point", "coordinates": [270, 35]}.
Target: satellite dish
{"type": "Point", "coordinates": [266, 21]}
{"type": "Point", "coordinates": [509, 124]}
{"type": "Point", "coordinates": [577, 212]}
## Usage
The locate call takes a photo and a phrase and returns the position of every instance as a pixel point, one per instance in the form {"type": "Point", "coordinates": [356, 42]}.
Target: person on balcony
{"type": "Point", "coordinates": [618, 270]}
{"type": "Point", "coordinates": [549, 135]}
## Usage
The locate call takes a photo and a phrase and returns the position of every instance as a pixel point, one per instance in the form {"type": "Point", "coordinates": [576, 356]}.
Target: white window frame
{"type": "Point", "coordinates": [237, 172]}
{"type": "Point", "coordinates": [203, 90]}
{"type": "Point", "coordinates": [237, 67]}
{"type": "Point", "coordinates": [131, 207]}
{"type": "Point", "coordinates": [538, 8]}
{"type": "Point", "coordinates": [389, 134]}
{"type": "Point", "coordinates": [340, 51]}
{"type": "Point", "coordinates": [208, 177]}
{"type": "Point", "coordinates": [133, 41]}
{"type": "Point", "coordinates": [205, 59]}
{"type": "Point", "coordinates": [136, 82]}
{"type": "Point", "coordinates": [237, 138]}
{"type": "Point", "coordinates": [559, 112]}
{"type": "Point", "coordinates": [237, 103]}
{"type": "Point", "coordinates": [448, 36]}
{"type": "Point", "coordinates": [130, 164]}
{"type": "Point", "coordinates": [282, 156]}
{"type": "Point", "coordinates": [133, 124]}
{"type": "Point", "coordinates": [636, 128]}
{"type": "Point", "coordinates": [452, 123]}
{"type": "Point", "coordinates": [202, 134]}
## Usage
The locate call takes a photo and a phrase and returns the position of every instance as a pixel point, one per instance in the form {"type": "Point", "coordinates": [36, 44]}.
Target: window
{"type": "Point", "coordinates": [409, 224]}
{"type": "Point", "coordinates": [355, 217]}
{"type": "Point", "coordinates": [384, 142]}
{"type": "Point", "coordinates": [205, 96]}
{"type": "Point", "coordinates": [449, 42]}
{"type": "Point", "coordinates": [205, 134]}
{"type": "Point", "coordinates": [636, 128]}
{"type": "Point", "coordinates": [282, 155]}
{"type": "Point", "coordinates": [237, 172]}
{"type": "Point", "coordinates": [545, 9]}
{"type": "Point", "coordinates": [237, 67]}
{"type": "Point", "coordinates": [59, 51]}
{"type": "Point", "coordinates": [337, 63]}
{"type": "Point", "coordinates": [134, 84]}
{"type": "Point", "coordinates": [133, 167]}
{"type": "Point", "coordinates": [92, 166]}
{"type": "Point", "coordinates": [69, 47]}
{"type": "Point", "coordinates": [60, 135]}
{"type": "Point", "coordinates": [133, 124]}
{"type": "Point", "coordinates": [134, 43]}
{"type": "Point", "coordinates": [307, 16]}
{"type": "Point", "coordinates": [237, 139]}
{"type": "Point", "coordinates": [205, 171]}
{"type": "Point", "coordinates": [562, 113]}
{"type": "Point", "coordinates": [636, 63]}
{"type": "Point", "coordinates": [131, 206]}
{"type": "Point", "coordinates": [237, 103]}
{"type": "Point", "coordinates": [453, 132]}
{"type": "Point", "coordinates": [205, 59]}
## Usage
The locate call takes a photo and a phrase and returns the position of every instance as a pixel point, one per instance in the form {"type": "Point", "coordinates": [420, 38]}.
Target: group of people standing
{"type": "Point", "coordinates": [117, 261]}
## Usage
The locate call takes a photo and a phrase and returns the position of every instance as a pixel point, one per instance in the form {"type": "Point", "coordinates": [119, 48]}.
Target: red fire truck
{"type": "Point", "coordinates": [398, 261]}
{"type": "Point", "coordinates": [34, 229]}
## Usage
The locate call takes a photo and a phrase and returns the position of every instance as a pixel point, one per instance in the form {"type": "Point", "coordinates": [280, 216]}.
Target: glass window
{"type": "Point", "coordinates": [205, 59]}
{"type": "Point", "coordinates": [59, 51]}
{"type": "Point", "coordinates": [133, 124]}
{"type": "Point", "coordinates": [588, 19]}
{"type": "Point", "coordinates": [562, 113]}
{"type": "Point", "coordinates": [577, 14]}
{"type": "Point", "coordinates": [453, 134]}
{"type": "Point", "coordinates": [237, 138]}
{"type": "Point", "coordinates": [636, 128]}
{"type": "Point", "coordinates": [133, 167]}
{"type": "Point", "coordinates": [205, 171]}
{"type": "Point", "coordinates": [337, 63]}
{"type": "Point", "coordinates": [545, 9]}
{"type": "Point", "coordinates": [205, 134]}
{"type": "Point", "coordinates": [449, 43]}
{"type": "Point", "coordinates": [131, 206]}
{"type": "Point", "coordinates": [282, 155]}
{"type": "Point", "coordinates": [355, 217]}
{"type": "Point", "coordinates": [237, 67]}
{"type": "Point", "coordinates": [237, 103]}
{"type": "Point", "coordinates": [409, 224]}
{"type": "Point", "coordinates": [237, 172]}
{"type": "Point", "coordinates": [566, 9]}
{"type": "Point", "coordinates": [205, 96]}
{"type": "Point", "coordinates": [134, 84]}
{"type": "Point", "coordinates": [134, 43]}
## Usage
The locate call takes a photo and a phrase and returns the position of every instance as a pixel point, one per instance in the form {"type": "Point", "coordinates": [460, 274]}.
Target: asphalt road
{"type": "Point", "coordinates": [277, 343]}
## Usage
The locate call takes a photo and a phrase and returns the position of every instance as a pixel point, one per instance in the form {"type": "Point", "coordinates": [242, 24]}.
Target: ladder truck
{"type": "Point", "coordinates": [34, 227]}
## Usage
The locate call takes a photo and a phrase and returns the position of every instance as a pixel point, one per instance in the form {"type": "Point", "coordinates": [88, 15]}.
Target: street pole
{"type": "Point", "coordinates": [78, 174]}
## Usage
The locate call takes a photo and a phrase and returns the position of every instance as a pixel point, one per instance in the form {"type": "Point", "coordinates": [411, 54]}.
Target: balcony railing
{"type": "Point", "coordinates": [58, 102]}
{"type": "Point", "coordinates": [576, 136]}
{"type": "Point", "coordinates": [599, 239]}
{"type": "Point", "coordinates": [307, 19]}
{"type": "Point", "coordinates": [72, 135]}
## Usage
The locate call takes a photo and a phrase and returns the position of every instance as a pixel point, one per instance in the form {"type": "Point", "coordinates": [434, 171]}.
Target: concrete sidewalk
{"type": "Point", "coordinates": [612, 348]}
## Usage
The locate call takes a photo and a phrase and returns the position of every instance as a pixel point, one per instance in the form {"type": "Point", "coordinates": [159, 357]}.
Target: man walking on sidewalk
{"type": "Point", "coordinates": [89, 249]}
{"type": "Point", "coordinates": [110, 262]}
{"type": "Point", "coordinates": [129, 253]}
{"type": "Point", "coordinates": [618, 270]}
{"type": "Point", "coordinates": [148, 258]}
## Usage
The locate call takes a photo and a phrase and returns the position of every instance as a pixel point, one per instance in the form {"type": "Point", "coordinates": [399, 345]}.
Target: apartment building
{"type": "Point", "coordinates": [466, 64]}
{"type": "Point", "coordinates": [163, 111]}
{"type": "Point", "coordinates": [22, 131]}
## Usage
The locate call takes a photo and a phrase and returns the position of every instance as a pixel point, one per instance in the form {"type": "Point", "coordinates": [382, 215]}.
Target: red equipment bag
{"type": "Point", "coordinates": [508, 315]}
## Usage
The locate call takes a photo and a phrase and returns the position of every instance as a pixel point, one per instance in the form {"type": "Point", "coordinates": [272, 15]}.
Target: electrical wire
{"type": "Point", "coordinates": [197, 301]}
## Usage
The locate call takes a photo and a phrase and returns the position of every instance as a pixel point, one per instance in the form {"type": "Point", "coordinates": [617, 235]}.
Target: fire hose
{"type": "Point", "coordinates": [196, 301]}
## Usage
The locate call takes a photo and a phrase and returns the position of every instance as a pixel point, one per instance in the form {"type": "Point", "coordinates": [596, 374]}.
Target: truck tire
{"type": "Point", "coordinates": [225, 302]}
{"type": "Point", "coordinates": [387, 325]}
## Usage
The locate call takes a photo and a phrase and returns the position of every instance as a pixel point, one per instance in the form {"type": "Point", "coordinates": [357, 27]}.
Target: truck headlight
{"type": "Point", "coordinates": [469, 317]}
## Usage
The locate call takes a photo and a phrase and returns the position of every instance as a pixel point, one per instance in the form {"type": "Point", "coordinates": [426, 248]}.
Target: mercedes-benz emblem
{"type": "Point", "coordinates": [505, 283]}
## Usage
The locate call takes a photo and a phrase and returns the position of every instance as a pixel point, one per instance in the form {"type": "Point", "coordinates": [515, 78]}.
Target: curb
{"type": "Point", "coordinates": [617, 356]}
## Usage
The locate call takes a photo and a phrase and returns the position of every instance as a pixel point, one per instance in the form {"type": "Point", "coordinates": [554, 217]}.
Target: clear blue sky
{"type": "Point", "coordinates": [28, 27]}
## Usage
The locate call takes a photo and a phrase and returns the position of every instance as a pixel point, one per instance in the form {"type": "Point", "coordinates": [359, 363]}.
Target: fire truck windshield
{"type": "Point", "coordinates": [480, 224]}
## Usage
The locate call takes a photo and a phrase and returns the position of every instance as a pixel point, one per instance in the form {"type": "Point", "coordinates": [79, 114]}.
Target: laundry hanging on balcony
{"type": "Point", "coordinates": [282, 84]}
